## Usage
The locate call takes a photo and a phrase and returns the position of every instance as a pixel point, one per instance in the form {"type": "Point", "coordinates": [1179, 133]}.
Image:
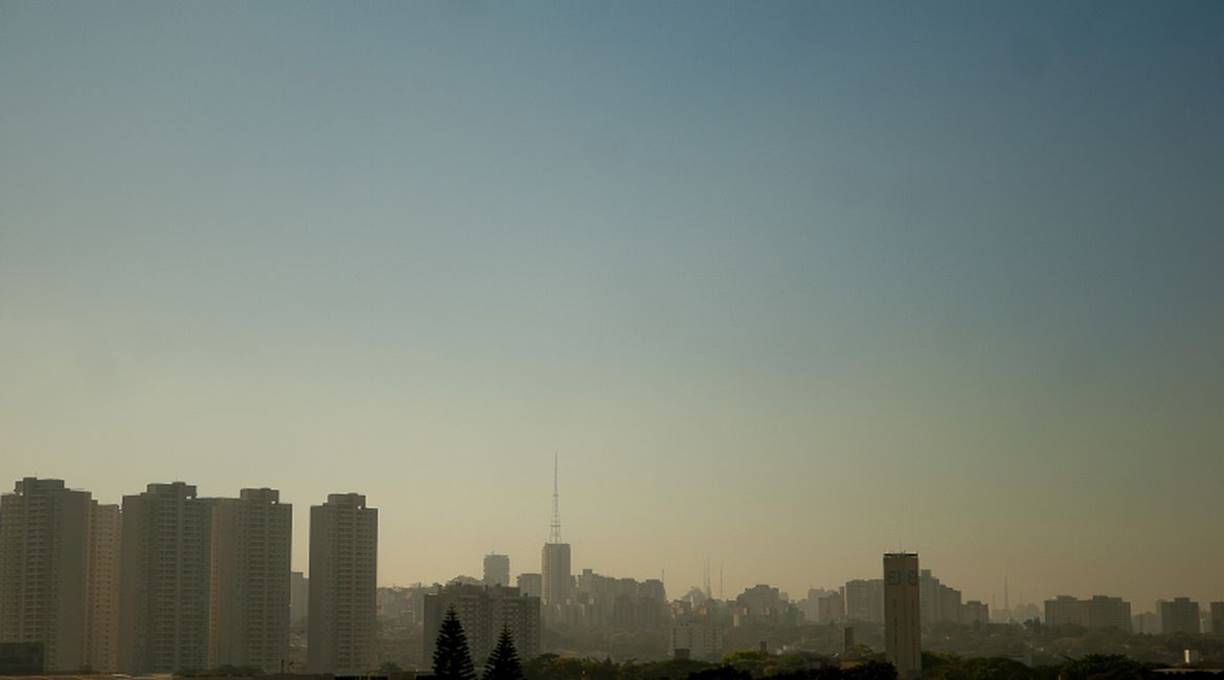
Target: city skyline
{"type": "Point", "coordinates": [786, 285]}
{"type": "Point", "coordinates": [532, 564]}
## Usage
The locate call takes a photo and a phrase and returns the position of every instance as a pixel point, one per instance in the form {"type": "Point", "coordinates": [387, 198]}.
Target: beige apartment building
{"type": "Point", "coordinates": [164, 578]}
{"type": "Point", "coordinates": [343, 605]}
{"type": "Point", "coordinates": [249, 610]}
{"type": "Point", "coordinates": [44, 570]}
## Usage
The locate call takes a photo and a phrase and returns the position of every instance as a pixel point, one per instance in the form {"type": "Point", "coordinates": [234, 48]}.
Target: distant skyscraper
{"type": "Point", "coordinates": [496, 570]}
{"type": "Point", "coordinates": [1179, 616]}
{"type": "Point", "coordinates": [165, 580]}
{"type": "Point", "coordinates": [251, 543]}
{"type": "Point", "coordinates": [484, 611]}
{"type": "Point", "coordinates": [44, 558]}
{"type": "Point", "coordinates": [902, 616]}
{"type": "Point", "coordinates": [555, 557]}
{"type": "Point", "coordinates": [102, 625]}
{"type": "Point", "coordinates": [299, 597]}
{"type": "Point", "coordinates": [343, 586]}
{"type": "Point", "coordinates": [531, 585]}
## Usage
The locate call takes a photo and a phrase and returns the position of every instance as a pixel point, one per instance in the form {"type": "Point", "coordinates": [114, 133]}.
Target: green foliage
{"type": "Point", "coordinates": [503, 663]}
{"type": "Point", "coordinates": [389, 667]}
{"type": "Point", "coordinates": [451, 659]}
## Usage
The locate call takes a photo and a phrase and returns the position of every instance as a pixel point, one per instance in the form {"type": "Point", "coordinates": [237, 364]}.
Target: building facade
{"type": "Point", "coordinates": [165, 580]}
{"type": "Point", "coordinates": [299, 597]}
{"type": "Point", "coordinates": [864, 600]}
{"type": "Point", "coordinates": [496, 570]}
{"type": "Point", "coordinates": [1179, 616]}
{"type": "Point", "coordinates": [975, 613]}
{"type": "Point", "coordinates": [44, 570]}
{"type": "Point", "coordinates": [343, 610]}
{"type": "Point", "coordinates": [1100, 611]}
{"type": "Point", "coordinates": [531, 584]}
{"type": "Point", "coordinates": [102, 623]}
{"type": "Point", "coordinates": [251, 548]}
{"type": "Point", "coordinates": [902, 615]}
{"type": "Point", "coordinates": [556, 574]}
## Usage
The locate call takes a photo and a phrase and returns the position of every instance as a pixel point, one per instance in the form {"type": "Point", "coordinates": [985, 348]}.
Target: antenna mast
{"type": "Point", "coordinates": [554, 532]}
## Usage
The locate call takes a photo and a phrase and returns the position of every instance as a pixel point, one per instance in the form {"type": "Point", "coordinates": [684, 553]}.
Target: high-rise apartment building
{"type": "Point", "coordinates": [902, 616]}
{"type": "Point", "coordinates": [864, 600]}
{"type": "Point", "coordinates": [484, 611]}
{"type": "Point", "coordinates": [1217, 618]}
{"type": "Point", "coordinates": [102, 617]}
{"type": "Point", "coordinates": [1179, 616]}
{"type": "Point", "coordinates": [1100, 611]}
{"type": "Point", "coordinates": [496, 570]}
{"type": "Point", "coordinates": [165, 580]}
{"type": "Point", "coordinates": [343, 586]}
{"type": "Point", "coordinates": [44, 570]}
{"type": "Point", "coordinates": [251, 543]}
{"type": "Point", "coordinates": [531, 584]}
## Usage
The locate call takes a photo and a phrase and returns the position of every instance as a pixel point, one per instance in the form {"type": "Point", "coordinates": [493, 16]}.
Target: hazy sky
{"type": "Point", "coordinates": [785, 285]}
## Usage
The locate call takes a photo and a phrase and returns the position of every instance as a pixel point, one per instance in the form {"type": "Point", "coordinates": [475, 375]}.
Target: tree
{"type": "Point", "coordinates": [503, 663]}
{"type": "Point", "coordinates": [451, 658]}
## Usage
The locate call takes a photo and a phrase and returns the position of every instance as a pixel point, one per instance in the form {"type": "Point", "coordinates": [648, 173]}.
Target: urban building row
{"type": "Point", "coordinates": [169, 581]}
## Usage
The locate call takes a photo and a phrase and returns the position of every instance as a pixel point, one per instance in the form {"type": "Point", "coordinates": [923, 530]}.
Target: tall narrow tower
{"type": "Point", "coordinates": [555, 558]}
{"type": "Point", "coordinates": [902, 617]}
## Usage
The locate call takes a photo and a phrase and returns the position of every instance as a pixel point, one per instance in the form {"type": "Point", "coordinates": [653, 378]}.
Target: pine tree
{"type": "Point", "coordinates": [451, 658]}
{"type": "Point", "coordinates": [503, 663]}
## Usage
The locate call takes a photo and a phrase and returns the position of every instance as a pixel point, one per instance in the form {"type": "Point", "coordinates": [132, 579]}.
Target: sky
{"type": "Point", "coordinates": [782, 285]}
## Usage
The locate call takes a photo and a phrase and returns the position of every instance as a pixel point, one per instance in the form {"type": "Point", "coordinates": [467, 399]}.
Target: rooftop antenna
{"type": "Point", "coordinates": [554, 531]}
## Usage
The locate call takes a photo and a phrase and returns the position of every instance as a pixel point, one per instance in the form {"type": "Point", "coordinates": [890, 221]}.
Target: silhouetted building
{"type": "Point", "coordinates": [251, 546]}
{"type": "Point", "coordinates": [1179, 616]}
{"type": "Point", "coordinates": [622, 602]}
{"type": "Point", "coordinates": [974, 612]}
{"type": "Point", "coordinates": [484, 611]}
{"type": "Point", "coordinates": [299, 597]}
{"type": "Point", "coordinates": [496, 570]}
{"type": "Point", "coordinates": [831, 608]}
{"type": "Point", "coordinates": [761, 604]}
{"type": "Point", "coordinates": [697, 640]}
{"type": "Point", "coordinates": [865, 600]}
{"type": "Point", "coordinates": [556, 576]}
{"type": "Point", "coordinates": [531, 585]}
{"type": "Point", "coordinates": [165, 580]}
{"type": "Point", "coordinates": [1099, 612]}
{"type": "Point", "coordinates": [1217, 618]}
{"type": "Point", "coordinates": [44, 570]}
{"type": "Point", "coordinates": [343, 586]}
{"type": "Point", "coordinates": [902, 616]}
{"type": "Point", "coordinates": [102, 624]}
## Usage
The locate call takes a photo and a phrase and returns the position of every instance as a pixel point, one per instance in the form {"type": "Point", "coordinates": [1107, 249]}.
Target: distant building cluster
{"type": "Point", "coordinates": [168, 581]}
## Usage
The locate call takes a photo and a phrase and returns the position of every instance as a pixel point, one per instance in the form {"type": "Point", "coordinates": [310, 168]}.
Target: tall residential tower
{"type": "Point", "coordinates": [44, 570]}
{"type": "Point", "coordinates": [902, 615]}
{"type": "Point", "coordinates": [343, 593]}
{"type": "Point", "coordinates": [164, 579]}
